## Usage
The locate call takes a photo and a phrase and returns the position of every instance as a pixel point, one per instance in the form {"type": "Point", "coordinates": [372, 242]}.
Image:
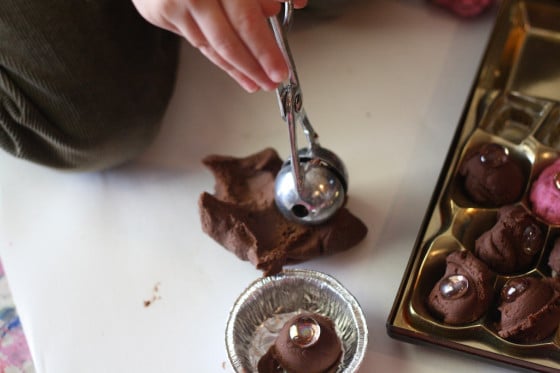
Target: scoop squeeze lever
{"type": "Point", "coordinates": [311, 185]}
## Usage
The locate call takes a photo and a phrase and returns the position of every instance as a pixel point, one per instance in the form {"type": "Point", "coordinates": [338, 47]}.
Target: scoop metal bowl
{"type": "Point", "coordinates": [323, 188]}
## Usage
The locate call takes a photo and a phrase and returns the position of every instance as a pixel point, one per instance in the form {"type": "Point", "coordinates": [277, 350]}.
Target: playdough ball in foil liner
{"type": "Point", "coordinates": [268, 303]}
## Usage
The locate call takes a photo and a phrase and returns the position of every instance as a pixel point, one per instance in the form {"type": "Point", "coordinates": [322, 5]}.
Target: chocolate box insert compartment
{"type": "Point", "coordinates": [549, 132]}
{"type": "Point", "coordinates": [515, 103]}
{"type": "Point", "coordinates": [514, 116]}
{"type": "Point", "coordinates": [521, 155]}
{"type": "Point", "coordinates": [537, 72]}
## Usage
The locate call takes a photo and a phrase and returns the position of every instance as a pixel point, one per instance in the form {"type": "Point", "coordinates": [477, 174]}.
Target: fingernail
{"type": "Point", "coordinates": [278, 76]}
{"type": "Point", "coordinates": [249, 86]}
{"type": "Point", "coordinates": [269, 87]}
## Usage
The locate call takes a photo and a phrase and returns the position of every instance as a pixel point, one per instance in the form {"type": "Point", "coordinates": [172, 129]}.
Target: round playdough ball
{"type": "Point", "coordinates": [530, 309]}
{"type": "Point", "coordinates": [545, 194]}
{"type": "Point", "coordinates": [491, 177]}
{"type": "Point", "coordinates": [464, 292]}
{"type": "Point", "coordinates": [307, 343]}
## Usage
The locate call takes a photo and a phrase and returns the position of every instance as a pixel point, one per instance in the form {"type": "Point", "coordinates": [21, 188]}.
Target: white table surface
{"type": "Point", "coordinates": [384, 84]}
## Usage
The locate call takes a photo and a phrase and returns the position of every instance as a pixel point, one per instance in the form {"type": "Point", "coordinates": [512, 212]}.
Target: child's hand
{"type": "Point", "coordinates": [233, 34]}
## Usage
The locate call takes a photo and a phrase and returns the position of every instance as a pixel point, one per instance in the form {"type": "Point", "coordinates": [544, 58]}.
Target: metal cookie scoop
{"type": "Point", "coordinates": [311, 185]}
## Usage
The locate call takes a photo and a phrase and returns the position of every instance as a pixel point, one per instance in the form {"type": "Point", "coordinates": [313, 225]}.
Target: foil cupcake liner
{"type": "Point", "coordinates": [260, 311]}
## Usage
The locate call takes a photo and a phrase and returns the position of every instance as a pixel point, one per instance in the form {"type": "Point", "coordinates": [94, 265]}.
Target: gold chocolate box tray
{"type": "Point", "coordinates": [514, 102]}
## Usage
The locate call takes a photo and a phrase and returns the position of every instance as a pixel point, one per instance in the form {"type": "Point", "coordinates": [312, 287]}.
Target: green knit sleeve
{"type": "Point", "coordinates": [83, 83]}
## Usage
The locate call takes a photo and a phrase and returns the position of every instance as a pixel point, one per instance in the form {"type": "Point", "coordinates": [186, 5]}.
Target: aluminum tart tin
{"type": "Point", "coordinates": [514, 102]}
{"type": "Point", "coordinates": [262, 309]}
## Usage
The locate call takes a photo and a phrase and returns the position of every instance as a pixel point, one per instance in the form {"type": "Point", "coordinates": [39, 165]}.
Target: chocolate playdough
{"type": "Point", "coordinates": [513, 243]}
{"type": "Point", "coordinates": [241, 215]}
{"type": "Point", "coordinates": [286, 355]}
{"type": "Point", "coordinates": [530, 309]}
{"type": "Point", "coordinates": [464, 292]}
{"type": "Point", "coordinates": [491, 177]}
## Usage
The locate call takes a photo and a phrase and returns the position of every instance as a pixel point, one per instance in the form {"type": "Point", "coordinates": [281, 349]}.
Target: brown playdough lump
{"type": "Point", "coordinates": [286, 355]}
{"type": "Point", "coordinates": [464, 292]}
{"type": "Point", "coordinates": [242, 216]}
{"type": "Point", "coordinates": [513, 243]}
{"type": "Point", "coordinates": [530, 309]}
{"type": "Point", "coordinates": [491, 176]}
